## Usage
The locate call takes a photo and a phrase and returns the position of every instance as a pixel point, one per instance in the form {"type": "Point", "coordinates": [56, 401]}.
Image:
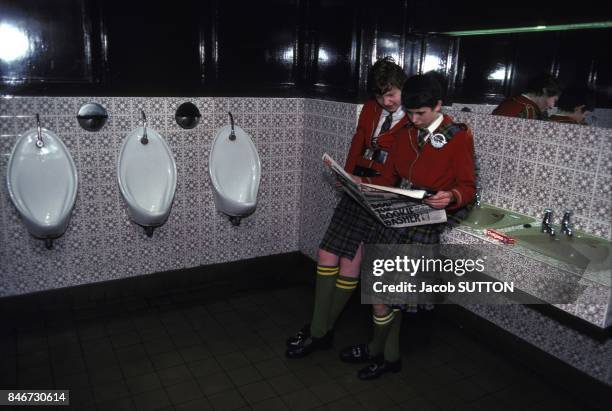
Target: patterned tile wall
{"type": "Point", "coordinates": [570, 346]}
{"type": "Point", "coordinates": [101, 243]}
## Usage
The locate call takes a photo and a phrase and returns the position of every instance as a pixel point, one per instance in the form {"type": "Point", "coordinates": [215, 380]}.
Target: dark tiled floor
{"type": "Point", "coordinates": [166, 353]}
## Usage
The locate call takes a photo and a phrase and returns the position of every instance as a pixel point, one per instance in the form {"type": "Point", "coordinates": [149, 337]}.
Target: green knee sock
{"type": "Point", "coordinates": [324, 292]}
{"type": "Point", "coordinates": [392, 353]}
{"type": "Point", "coordinates": [382, 325]}
{"type": "Point", "coordinates": [345, 286]}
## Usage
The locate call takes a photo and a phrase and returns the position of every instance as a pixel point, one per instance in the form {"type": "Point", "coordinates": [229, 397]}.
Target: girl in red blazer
{"type": "Point", "coordinates": [340, 252]}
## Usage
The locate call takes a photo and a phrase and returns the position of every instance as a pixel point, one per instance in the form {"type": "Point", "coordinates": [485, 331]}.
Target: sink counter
{"type": "Point", "coordinates": [596, 272]}
{"type": "Point", "coordinates": [537, 274]}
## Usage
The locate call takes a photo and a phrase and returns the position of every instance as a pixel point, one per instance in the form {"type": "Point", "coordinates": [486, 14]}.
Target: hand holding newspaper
{"type": "Point", "coordinates": [393, 207]}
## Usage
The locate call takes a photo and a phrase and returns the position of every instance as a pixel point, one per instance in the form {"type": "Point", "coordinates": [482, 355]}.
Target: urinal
{"type": "Point", "coordinates": [42, 183]}
{"type": "Point", "coordinates": [147, 177]}
{"type": "Point", "coordinates": [235, 171]}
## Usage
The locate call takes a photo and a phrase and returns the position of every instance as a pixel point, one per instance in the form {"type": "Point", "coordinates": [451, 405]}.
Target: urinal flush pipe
{"type": "Point", "coordinates": [232, 135]}
{"type": "Point", "coordinates": [144, 140]}
{"type": "Point", "coordinates": [39, 141]}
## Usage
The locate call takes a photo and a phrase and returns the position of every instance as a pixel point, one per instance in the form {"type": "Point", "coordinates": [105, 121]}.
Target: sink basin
{"type": "Point", "coordinates": [581, 250]}
{"type": "Point", "coordinates": [487, 216]}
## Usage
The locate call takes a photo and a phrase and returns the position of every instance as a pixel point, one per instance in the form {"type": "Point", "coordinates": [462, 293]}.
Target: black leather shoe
{"type": "Point", "coordinates": [377, 369]}
{"type": "Point", "coordinates": [357, 354]}
{"type": "Point", "coordinates": [299, 337]}
{"type": "Point", "coordinates": [309, 345]}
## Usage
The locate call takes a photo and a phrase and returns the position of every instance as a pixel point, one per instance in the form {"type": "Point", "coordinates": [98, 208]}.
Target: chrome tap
{"type": "Point", "coordinates": [566, 226]}
{"type": "Point", "coordinates": [547, 223]}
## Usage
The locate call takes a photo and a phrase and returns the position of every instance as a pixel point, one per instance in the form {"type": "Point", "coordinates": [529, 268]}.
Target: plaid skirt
{"type": "Point", "coordinates": [350, 225]}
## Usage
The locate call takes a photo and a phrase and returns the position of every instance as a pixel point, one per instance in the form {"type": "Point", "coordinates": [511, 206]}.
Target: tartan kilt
{"type": "Point", "coordinates": [350, 225]}
{"type": "Point", "coordinates": [420, 234]}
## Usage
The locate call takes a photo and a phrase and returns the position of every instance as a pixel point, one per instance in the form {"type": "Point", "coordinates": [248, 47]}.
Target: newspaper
{"type": "Point", "coordinates": [393, 207]}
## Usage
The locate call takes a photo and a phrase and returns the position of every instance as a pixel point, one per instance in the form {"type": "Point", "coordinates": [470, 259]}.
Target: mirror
{"type": "Point", "coordinates": [494, 65]}
{"type": "Point", "coordinates": [92, 116]}
{"type": "Point", "coordinates": [187, 115]}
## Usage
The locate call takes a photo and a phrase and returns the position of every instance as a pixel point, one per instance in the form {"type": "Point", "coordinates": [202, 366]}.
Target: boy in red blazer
{"type": "Point", "coordinates": [433, 153]}
{"type": "Point", "coordinates": [340, 251]}
{"type": "Point", "coordinates": [542, 93]}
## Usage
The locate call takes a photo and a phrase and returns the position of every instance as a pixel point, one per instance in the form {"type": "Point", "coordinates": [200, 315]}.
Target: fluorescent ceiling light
{"type": "Point", "coordinates": [559, 27]}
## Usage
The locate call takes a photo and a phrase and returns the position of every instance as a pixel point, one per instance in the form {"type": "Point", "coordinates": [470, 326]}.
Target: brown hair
{"type": "Point", "coordinates": [384, 74]}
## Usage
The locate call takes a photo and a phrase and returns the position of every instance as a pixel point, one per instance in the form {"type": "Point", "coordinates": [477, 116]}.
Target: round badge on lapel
{"type": "Point", "coordinates": [438, 140]}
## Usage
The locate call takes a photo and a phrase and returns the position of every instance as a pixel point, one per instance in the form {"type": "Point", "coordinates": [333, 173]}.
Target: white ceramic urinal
{"type": "Point", "coordinates": [235, 171]}
{"type": "Point", "coordinates": [42, 183]}
{"type": "Point", "coordinates": [147, 177]}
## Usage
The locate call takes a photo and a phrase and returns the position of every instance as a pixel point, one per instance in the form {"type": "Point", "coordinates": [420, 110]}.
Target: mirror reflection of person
{"type": "Point", "coordinates": [341, 250]}
{"type": "Point", "coordinates": [542, 93]}
{"type": "Point", "coordinates": [574, 105]}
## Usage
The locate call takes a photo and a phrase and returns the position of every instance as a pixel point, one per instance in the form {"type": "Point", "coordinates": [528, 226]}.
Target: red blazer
{"type": "Point", "coordinates": [518, 106]}
{"type": "Point", "coordinates": [450, 168]}
{"type": "Point", "coordinates": [368, 121]}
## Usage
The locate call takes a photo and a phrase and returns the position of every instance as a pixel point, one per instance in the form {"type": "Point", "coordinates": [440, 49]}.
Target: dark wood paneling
{"type": "Point", "coordinates": [43, 44]}
{"type": "Point", "coordinates": [151, 49]}
{"type": "Point", "coordinates": [533, 53]}
{"type": "Point", "coordinates": [382, 33]}
{"type": "Point", "coordinates": [485, 67]}
{"type": "Point", "coordinates": [583, 60]}
{"type": "Point", "coordinates": [256, 46]}
{"type": "Point", "coordinates": [311, 48]}
{"type": "Point", "coordinates": [333, 47]}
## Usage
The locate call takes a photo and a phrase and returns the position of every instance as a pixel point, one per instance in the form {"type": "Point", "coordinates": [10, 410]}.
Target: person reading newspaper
{"type": "Point", "coordinates": [434, 153]}
{"type": "Point", "coordinates": [390, 206]}
{"type": "Point", "coordinates": [339, 254]}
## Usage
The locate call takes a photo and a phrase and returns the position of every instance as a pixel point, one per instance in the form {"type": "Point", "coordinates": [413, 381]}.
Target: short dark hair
{"type": "Point", "coordinates": [422, 90]}
{"type": "Point", "coordinates": [544, 84]}
{"type": "Point", "coordinates": [384, 74]}
{"type": "Point", "coordinates": [576, 96]}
